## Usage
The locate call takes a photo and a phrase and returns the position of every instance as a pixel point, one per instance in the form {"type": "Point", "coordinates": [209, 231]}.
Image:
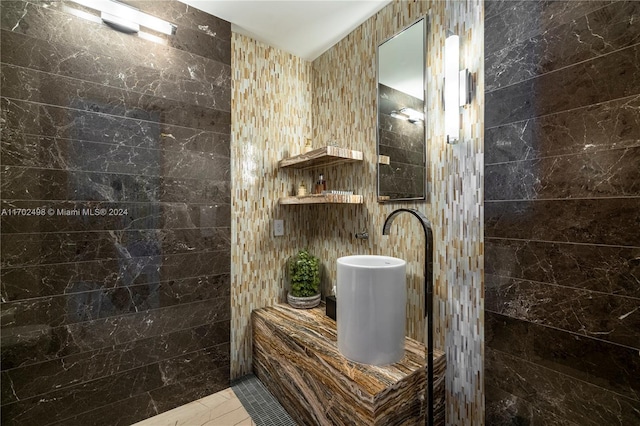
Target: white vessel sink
{"type": "Point", "coordinates": [371, 299]}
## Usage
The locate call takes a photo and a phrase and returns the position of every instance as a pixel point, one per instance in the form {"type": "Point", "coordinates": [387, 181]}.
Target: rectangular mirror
{"type": "Point", "coordinates": [401, 115]}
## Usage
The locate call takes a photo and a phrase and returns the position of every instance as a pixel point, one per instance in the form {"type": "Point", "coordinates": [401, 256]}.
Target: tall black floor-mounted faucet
{"type": "Point", "coordinates": [428, 298]}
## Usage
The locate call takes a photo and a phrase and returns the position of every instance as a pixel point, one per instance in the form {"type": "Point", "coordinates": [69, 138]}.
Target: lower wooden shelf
{"type": "Point", "coordinates": [323, 199]}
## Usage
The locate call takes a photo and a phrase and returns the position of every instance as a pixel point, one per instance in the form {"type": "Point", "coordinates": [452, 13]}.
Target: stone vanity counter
{"type": "Point", "coordinates": [295, 354]}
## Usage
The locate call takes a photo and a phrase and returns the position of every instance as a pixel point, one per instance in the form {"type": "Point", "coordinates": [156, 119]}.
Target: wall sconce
{"type": "Point", "coordinates": [458, 88]}
{"type": "Point", "coordinates": [125, 18]}
{"type": "Point", "coordinates": [408, 114]}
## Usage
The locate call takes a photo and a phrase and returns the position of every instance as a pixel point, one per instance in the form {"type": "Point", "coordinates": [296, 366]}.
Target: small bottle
{"type": "Point", "coordinates": [302, 190]}
{"type": "Point", "coordinates": [321, 185]}
{"type": "Point", "coordinates": [307, 147]}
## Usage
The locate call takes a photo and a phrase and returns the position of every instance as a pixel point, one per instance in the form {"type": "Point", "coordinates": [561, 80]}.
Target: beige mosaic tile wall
{"type": "Point", "coordinates": [271, 117]}
{"type": "Point", "coordinates": [342, 108]}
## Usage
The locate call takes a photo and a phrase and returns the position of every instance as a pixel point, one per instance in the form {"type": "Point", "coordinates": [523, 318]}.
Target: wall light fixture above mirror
{"type": "Point", "coordinates": [401, 115]}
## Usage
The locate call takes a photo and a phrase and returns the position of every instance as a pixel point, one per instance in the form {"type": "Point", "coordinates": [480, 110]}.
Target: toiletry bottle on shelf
{"type": "Point", "coordinates": [321, 185]}
{"type": "Point", "coordinates": [302, 190]}
{"type": "Point", "coordinates": [307, 146]}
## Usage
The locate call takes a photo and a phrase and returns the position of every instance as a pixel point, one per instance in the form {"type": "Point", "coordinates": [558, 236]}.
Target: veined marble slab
{"type": "Point", "coordinates": [295, 354]}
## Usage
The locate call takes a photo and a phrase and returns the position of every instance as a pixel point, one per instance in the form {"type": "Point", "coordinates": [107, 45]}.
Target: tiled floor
{"type": "Point", "coordinates": [220, 409]}
{"type": "Point", "coordinates": [246, 403]}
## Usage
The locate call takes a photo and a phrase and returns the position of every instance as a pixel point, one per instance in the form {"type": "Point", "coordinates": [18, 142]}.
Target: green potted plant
{"type": "Point", "coordinates": [303, 272]}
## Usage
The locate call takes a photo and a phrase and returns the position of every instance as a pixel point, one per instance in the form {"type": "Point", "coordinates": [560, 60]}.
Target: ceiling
{"type": "Point", "coordinates": [305, 28]}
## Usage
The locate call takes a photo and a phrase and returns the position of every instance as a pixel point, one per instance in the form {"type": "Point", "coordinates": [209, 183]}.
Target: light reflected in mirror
{"type": "Point", "coordinates": [401, 118]}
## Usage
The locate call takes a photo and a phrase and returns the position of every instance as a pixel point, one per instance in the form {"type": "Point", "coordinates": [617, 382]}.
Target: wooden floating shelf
{"type": "Point", "coordinates": [326, 156]}
{"type": "Point", "coordinates": [323, 199]}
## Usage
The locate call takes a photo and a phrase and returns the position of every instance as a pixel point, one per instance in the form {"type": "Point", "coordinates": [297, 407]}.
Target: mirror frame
{"type": "Point", "coordinates": [425, 30]}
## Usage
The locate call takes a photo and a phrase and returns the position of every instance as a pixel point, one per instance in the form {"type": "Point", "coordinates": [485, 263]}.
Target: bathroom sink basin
{"type": "Point", "coordinates": [371, 303]}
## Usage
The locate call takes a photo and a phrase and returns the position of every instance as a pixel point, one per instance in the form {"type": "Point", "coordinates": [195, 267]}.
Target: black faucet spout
{"type": "Point", "coordinates": [428, 290]}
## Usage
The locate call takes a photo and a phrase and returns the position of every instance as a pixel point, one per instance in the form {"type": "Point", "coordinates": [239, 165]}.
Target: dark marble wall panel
{"type": "Point", "coordinates": [561, 212]}
{"type": "Point", "coordinates": [597, 33]}
{"type": "Point", "coordinates": [115, 187]}
{"type": "Point", "coordinates": [509, 22]}
{"type": "Point", "coordinates": [24, 118]}
{"type": "Point", "coordinates": [614, 367]}
{"type": "Point", "coordinates": [604, 78]}
{"type": "Point", "coordinates": [77, 399]}
{"type": "Point", "coordinates": [35, 20]}
{"type": "Point", "coordinates": [593, 128]}
{"type": "Point", "coordinates": [606, 269]}
{"type": "Point", "coordinates": [505, 409]}
{"type": "Point", "coordinates": [99, 67]}
{"type": "Point", "coordinates": [609, 221]}
{"type": "Point", "coordinates": [611, 173]}
{"type": "Point", "coordinates": [32, 345]}
{"type": "Point", "coordinates": [565, 308]}
{"type": "Point", "coordinates": [574, 401]}
{"type": "Point", "coordinates": [46, 88]}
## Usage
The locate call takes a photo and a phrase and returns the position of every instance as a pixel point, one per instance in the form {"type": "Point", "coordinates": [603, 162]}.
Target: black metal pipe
{"type": "Point", "coordinates": [428, 299]}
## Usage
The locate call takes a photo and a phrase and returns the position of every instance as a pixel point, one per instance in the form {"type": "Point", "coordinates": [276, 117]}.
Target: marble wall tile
{"type": "Point", "coordinates": [566, 308]}
{"type": "Point", "coordinates": [23, 282]}
{"type": "Point", "coordinates": [22, 117]}
{"type": "Point", "coordinates": [611, 173]}
{"type": "Point", "coordinates": [73, 156]}
{"type": "Point", "coordinates": [154, 402]}
{"type": "Point", "coordinates": [85, 396]}
{"type": "Point", "coordinates": [613, 367]}
{"type": "Point", "coordinates": [190, 388]}
{"type": "Point", "coordinates": [46, 280]}
{"type": "Point", "coordinates": [49, 248]}
{"type": "Point", "coordinates": [76, 61]}
{"type": "Point", "coordinates": [45, 88]}
{"type": "Point", "coordinates": [606, 269]}
{"type": "Point", "coordinates": [56, 153]}
{"type": "Point", "coordinates": [45, 184]}
{"type": "Point", "coordinates": [91, 305]}
{"type": "Point", "coordinates": [566, 397]}
{"type": "Point", "coordinates": [48, 376]}
{"type": "Point", "coordinates": [43, 343]}
{"type": "Point", "coordinates": [505, 409]}
{"type": "Point", "coordinates": [495, 7]}
{"type": "Point", "coordinates": [602, 79]}
{"type": "Point", "coordinates": [589, 129]}
{"type": "Point", "coordinates": [561, 141]}
{"type": "Point", "coordinates": [188, 37]}
{"type": "Point", "coordinates": [597, 33]}
{"type": "Point", "coordinates": [88, 395]}
{"type": "Point", "coordinates": [592, 221]}
{"type": "Point", "coordinates": [512, 21]}
{"type": "Point", "coordinates": [105, 318]}
{"type": "Point", "coordinates": [33, 19]}
{"type": "Point", "coordinates": [182, 226]}
{"type": "Point", "coordinates": [20, 183]}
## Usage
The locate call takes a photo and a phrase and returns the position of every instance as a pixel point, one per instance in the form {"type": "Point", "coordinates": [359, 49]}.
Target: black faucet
{"type": "Point", "coordinates": [428, 299]}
